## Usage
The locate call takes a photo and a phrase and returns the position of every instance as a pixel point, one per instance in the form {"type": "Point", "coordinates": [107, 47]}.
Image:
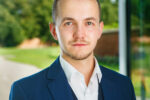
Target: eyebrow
{"type": "Point", "coordinates": [91, 18]}
{"type": "Point", "coordinates": [67, 18]}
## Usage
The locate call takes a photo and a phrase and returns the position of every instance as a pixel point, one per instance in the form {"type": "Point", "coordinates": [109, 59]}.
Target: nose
{"type": "Point", "coordinates": [79, 33]}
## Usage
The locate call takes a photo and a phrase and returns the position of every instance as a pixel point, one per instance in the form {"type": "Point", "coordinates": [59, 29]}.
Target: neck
{"type": "Point", "coordinates": [85, 66]}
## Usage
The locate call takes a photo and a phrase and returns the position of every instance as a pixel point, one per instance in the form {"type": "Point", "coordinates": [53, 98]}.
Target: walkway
{"type": "Point", "coordinates": [11, 71]}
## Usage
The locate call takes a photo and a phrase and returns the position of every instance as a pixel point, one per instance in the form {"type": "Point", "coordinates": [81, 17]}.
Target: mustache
{"type": "Point", "coordinates": [79, 41]}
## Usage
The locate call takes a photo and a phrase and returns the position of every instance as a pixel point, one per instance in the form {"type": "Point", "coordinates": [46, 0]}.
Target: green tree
{"type": "Point", "coordinates": [10, 30]}
{"type": "Point", "coordinates": [29, 18]}
{"type": "Point", "coordinates": [43, 15]}
{"type": "Point", "coordinates": [109, 12]}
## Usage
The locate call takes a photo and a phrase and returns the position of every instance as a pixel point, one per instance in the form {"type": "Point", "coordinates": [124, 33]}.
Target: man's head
{"type": "Point", "coordinates": [77, 27]}
{"type": "Point", "coordinates": [54, 12]}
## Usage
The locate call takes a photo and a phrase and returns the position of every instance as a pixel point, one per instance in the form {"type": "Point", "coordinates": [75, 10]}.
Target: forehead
{"type": "Point", "coordinates": [63, 2]}
{"type": "Point", "coordinates": [76, 8]}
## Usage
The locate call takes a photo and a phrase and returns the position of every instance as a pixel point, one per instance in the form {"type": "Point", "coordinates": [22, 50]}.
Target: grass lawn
{"type": "Point", "coordinates": [41, 57]}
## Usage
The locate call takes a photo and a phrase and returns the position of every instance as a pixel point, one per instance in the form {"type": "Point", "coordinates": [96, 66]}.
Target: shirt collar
{"type": "Point", "coordinates": [96, 72]}
{"type": "Point", "coordinates": [70, 70]}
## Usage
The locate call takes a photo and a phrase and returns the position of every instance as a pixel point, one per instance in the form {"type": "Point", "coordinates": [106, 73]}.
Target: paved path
{"type": "Point", "coordinates": [11, 71]}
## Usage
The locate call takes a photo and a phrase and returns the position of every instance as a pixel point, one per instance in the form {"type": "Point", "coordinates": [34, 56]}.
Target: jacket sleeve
{"type": "Point", "coordinates": [17, 93]}
{"type": "Point", "coordinates": [133, 97]}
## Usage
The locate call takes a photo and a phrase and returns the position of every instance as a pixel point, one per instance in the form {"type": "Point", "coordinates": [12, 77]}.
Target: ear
{"type": "Point", "coordinates": [53, 31]}
{"type": "Point", "coordinates": [101, 29]}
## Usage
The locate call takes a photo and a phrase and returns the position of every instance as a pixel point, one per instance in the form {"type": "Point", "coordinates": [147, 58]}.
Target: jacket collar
{"type": "Point", "coordinates": [108, 84]}
{"type": "Point", "coordinates": [61, 90]}
{"type": "Point", "coordinates": [58, 84]}
{"type": "Point", "coordinates": [55, 70]}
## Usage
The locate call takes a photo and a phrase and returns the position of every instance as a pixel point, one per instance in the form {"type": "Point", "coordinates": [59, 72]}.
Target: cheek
{"type": "Point", "coordinates": [93, 34]}
{"type": "Point", "coordinates": [67, 33]}
{"type": "Point", "coordinates": [67, 30]}
{"type": "Point", "coordinates": [65, 37]}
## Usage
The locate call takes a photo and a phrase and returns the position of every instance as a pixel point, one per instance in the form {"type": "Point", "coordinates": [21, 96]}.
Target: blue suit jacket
{"type": "Point", "coordinates": [51, 84]}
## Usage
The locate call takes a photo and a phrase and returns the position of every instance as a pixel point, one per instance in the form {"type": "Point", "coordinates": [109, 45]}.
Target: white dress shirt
{"type": "Point", "coordinates": [77, 82]}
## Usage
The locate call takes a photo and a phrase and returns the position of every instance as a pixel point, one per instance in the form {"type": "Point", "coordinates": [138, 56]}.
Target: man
{"type": "Point", "coordinates": [75, 75]}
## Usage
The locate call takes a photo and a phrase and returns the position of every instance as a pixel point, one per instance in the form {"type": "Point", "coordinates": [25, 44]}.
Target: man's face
{"type": "Point", "coordinates": [77, 27]}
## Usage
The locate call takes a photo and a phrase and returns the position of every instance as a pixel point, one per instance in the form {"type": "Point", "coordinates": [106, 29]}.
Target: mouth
{"type": "Point", "coordinates": [79, 44]}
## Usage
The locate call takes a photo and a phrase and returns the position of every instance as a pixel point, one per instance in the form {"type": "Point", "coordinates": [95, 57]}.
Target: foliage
{"type": "Point", "coordinates": [25, 19]}
{"type": "Point", "coordinates": [140, 16]}
{"type": "Point", "coordinates": [20, 19]}
{"type": "Point", "coordinates": [141, 6]}
{"type": "Point", "coordinates": [109, 12]}
{"type": "Point", "coordinates": [10, 30]}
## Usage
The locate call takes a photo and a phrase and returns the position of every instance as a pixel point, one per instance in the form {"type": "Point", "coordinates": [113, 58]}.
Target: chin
{"type": "Point", "coordinates": [79, 56]}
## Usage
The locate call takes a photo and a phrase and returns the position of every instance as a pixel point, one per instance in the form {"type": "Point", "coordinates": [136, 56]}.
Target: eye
{"type": "Point", "coordinates": [68, 23]}
{"type": "Point", "coordinates": [89, 23]}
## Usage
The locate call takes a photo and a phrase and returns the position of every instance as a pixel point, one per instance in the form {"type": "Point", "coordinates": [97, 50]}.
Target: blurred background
{"type": "Point", "coordinates": [26, 45]}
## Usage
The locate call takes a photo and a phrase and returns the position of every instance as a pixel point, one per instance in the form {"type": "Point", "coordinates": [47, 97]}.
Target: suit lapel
{"type": "Point", "coordinates": [100, 93]}
{"type": "Point", "coordinates": [107, 85]}
{"type": "Point", "coordinates": [60, 89]}
{"type": "Point", "coordinates": [58, 84]}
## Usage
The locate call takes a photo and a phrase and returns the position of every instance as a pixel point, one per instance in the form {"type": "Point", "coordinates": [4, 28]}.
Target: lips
{"type": "Point", "coordinates": [79, 44]}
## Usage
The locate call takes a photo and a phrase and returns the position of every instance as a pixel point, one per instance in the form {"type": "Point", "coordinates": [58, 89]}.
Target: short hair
{"type": "Point", "coordinates": [54, 10]}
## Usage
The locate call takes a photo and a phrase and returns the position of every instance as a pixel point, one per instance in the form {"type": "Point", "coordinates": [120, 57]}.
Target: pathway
{"type": "Point", "coordinates": [11, 71]}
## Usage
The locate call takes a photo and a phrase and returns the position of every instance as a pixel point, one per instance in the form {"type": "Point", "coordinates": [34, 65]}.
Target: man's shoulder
{"type": "Point", "coordinates": [30, 87]}
{"type": "Point", "coordinates": [33, 79]}
{"type": "Point", "coordinates": [113, 75]}
{"type": "Point", "coordinates": [39, 77]}
{"type": "Point", "coordinates": [118, 82]}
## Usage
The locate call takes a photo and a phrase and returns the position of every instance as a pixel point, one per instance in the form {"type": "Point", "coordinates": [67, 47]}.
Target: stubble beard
{"type": "Point", "coordinates": [77, 57]}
